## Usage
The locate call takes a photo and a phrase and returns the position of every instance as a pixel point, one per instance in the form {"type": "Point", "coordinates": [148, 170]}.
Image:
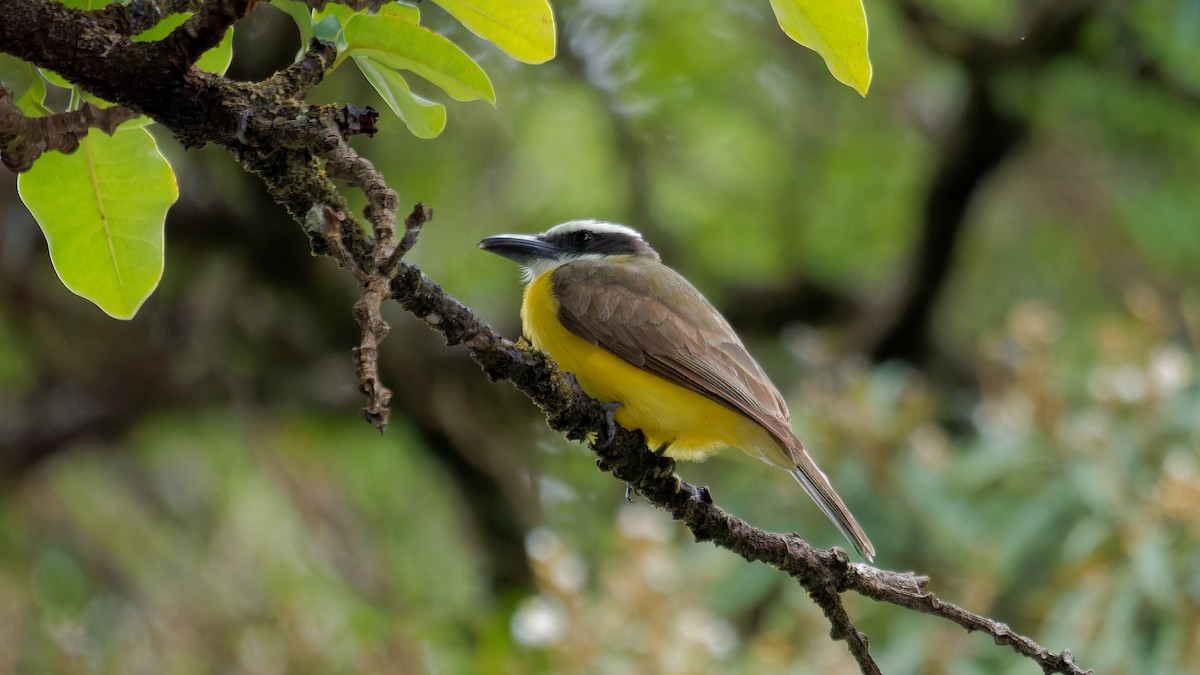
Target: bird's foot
{"type": "Point", "coordinates": [662, 449]}
{"type": "Point", "coordinates": [610, 422]}
{"type": "Point", "coordinates": [571, 379]}
{"type": "Point", "coordinates": [700, 493]}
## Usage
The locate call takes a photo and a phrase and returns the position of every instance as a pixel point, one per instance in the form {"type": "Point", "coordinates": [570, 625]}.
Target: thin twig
{"type": "Point", "coordinates": [24, 139]}
{"type": "Point", "coordinates": [420, 215]}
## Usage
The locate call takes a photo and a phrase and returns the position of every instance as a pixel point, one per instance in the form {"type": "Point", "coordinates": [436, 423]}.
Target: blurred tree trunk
{"type": "Point", "coordinates": [981, 139]}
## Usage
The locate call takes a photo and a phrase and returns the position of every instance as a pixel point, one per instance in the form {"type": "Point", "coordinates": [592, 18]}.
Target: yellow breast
{"type": "Point", "coordinates": [695, 425]}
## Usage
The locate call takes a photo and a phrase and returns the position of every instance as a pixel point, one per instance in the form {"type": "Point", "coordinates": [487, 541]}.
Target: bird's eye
{"type": "Point", "coordinates": [584, 238]}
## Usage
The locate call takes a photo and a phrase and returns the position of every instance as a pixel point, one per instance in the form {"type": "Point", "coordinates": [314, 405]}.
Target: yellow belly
{"type": "Point", "coordinates": [665, 412]}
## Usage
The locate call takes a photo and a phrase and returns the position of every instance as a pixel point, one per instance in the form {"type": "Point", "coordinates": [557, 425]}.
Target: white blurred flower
{"type": "Point", "coordinates": [1180, 465]}
{"type": "Point", "coordinates": [1170, 369]}
{"type": "Point", "coordinates": [1129, 383]}
{"type": "Point", "coordinates": [542, 544]}
{"type": "Point", "coordinates": [1035, 324]}
{"type": "Point", "coordinates": [1126, 383]}
{"type": "Point", "coordinates": [539, 621]}
{"type": "Point", "coordinates": [569, 573]}
{"type": "Point", "coordinates": [1009, 417]}
{"type": "Point", "coordinates": [553, 492]}
{"type": "Point", "coordinates": [714, 634]}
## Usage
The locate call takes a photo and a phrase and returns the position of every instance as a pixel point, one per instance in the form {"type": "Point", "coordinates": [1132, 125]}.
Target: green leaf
{"type": "Point", "coordinates": [17, 75]}
{"type": "Point", "coordinates": [102, 209]}
{"type": "Point", "coordinates": [139, 122]}
{"type": "Point", "coordinates": [33, 101]}
{"type": "Point", "coordinates": [342, 12]}
{"type": "Point", "coordinates": [835, 29]}
{"type": "Point", "coordinates": [215, 60]}
{"type": "Point", "coordinates": [329, 29]}
{"type": "Point", "coordinates": [400, 44]}
{"type": "Point", "coordinates": [330, 22]}
{"type": "Point", "coordinates": [55, 79]}
{"type": "Point", "coordinates": [407, 12]}
{"type": "Point", "coordinates": [86, 4]}
{"type": "Point", "coordinates": [302, 15]}
{"type": "Point", "coordinates": [523, 29]}
{"type": "Point", "coordinates": [25, 84]}
{"type": "Point", "coordinates": [425, 119]}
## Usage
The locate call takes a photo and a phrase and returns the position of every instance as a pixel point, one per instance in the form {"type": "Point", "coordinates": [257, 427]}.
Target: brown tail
{"type": "Point", "coordinates": [814, 482]}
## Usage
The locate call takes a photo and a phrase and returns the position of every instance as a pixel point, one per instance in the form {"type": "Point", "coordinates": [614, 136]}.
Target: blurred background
{"type": "Point", "coordinates": [978, 289]}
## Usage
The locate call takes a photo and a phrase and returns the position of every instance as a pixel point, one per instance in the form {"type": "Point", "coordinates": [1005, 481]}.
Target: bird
{"type": "Point", "coordinates": [637, 335]}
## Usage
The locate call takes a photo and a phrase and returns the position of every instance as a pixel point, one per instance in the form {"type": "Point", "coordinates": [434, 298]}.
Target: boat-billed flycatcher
{"type": "Point", "coordinates": [633, 331]}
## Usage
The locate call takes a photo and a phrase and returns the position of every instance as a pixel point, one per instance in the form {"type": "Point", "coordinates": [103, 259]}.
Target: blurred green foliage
{"type": "Point", "coordinates": [249, 522]}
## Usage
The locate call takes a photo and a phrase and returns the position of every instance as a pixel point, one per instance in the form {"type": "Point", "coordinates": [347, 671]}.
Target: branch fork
{"type": "Point", "coordinates": [376, 281]}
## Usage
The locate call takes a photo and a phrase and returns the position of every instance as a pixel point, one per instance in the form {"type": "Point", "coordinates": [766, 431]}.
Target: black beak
{"type": "Point", "coordinates": [520, 248]}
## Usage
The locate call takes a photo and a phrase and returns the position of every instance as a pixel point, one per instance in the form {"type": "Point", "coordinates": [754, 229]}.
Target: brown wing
{"type": "Point", "coordinates": [650, 316]}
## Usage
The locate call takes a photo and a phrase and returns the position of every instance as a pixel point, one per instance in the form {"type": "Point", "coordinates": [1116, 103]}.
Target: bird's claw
{"type": "Point", "coordinates": [610, 422]}
{"type": "Point", "coordinates": [571, 379]}
{"type": "Point", "coordinates": [629, 493]}
{"type": "Point", "coordinates": [700, 493]}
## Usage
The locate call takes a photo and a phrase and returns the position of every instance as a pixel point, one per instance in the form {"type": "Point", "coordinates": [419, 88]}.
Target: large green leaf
{"type": "Point", "coordinates": [398, 43]}
{"type": "Point", "coordinates": [409, 13]}
{"type": "Point", "coordinates": [330, 21]}
{"type": "Point", "coordinates": [425, 119]}
{"type": "Point", "coordinates": [342, 12]}
{"type": "Point", "coordinates": [523, 29]}
{"type": "Point", "coordinates": [835, 29]}
{"type": "Point", "coordinates": [102, 209]}
{"type": "Point", "coordinates": [25, 84]}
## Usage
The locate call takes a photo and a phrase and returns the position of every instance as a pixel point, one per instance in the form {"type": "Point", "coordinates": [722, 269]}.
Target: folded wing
{"type": "Point", "coordinates": [650, 316]}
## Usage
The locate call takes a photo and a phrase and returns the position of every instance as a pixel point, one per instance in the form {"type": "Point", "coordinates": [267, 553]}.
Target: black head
{"type": "Point", "coordinates": [580, 238]}
{"type": "Point", "coordinates": [570, 241]}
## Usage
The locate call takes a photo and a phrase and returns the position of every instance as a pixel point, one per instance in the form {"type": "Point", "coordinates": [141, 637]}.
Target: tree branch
{"type": "Point", "coordinates": [295, 149]}
{"type": "Point", "coordinates": [372, 5]}
{"type": "Point", "coordinates": [24, 139]}
{"type": "Point", "coordinates": [824, 573]}
{"type": "Point", "coordinates": [140, 15]}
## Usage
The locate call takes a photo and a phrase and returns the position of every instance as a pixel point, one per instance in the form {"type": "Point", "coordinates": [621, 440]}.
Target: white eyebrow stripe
{"type": "Point", "coordinates": [597, 226]}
